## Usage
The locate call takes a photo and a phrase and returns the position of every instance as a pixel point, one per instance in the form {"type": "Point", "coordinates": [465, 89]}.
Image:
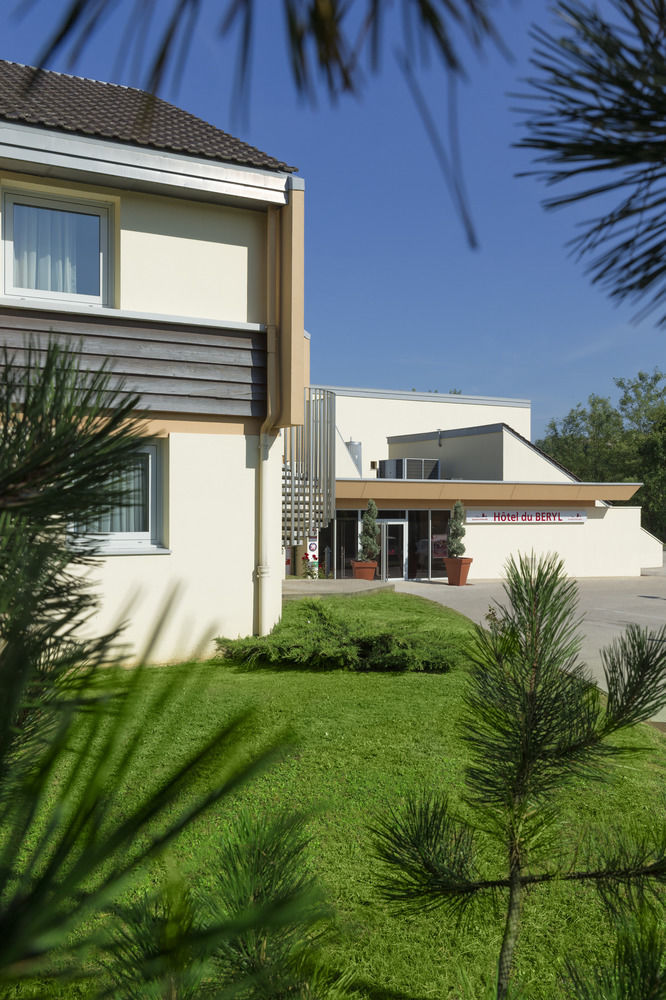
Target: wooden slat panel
{"type": "Point", "coordinates": [78, 326]}
{"type": "Point", "coordinates": [131, 366]}
{"type": "Point", "coordinates": [175, 368]}
{"type": "Point", "coordinates": [112, 346]}
{"type": "Point", "coordinates": [204, 407]}
{"type": "Point", "coordinates": [205, 388]}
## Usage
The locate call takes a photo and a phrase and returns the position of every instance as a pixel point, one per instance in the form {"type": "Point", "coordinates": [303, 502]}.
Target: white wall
{"type": "Point", "coordinates": [372, 419]}
{"type": "Point", "coordinates": [345, 466]}
{"type": "Point", "coordinates": [610, 543]}
{"type": "Point", "coordinates": [523, 465]}
{"type": "Point", "coordinates": [470, 456]}
{"type": "Point", "coordinates": [211, 503]}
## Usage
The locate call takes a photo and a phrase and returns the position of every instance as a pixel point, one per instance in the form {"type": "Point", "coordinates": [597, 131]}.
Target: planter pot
{"type": "Point", "coordinates": [364, 570]}
{"type": "Point", "coordinates": [457, 570]}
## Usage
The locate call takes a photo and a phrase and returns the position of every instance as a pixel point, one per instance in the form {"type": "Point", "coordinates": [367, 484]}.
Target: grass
{"type": "Point", "coordinates": [357, 742]}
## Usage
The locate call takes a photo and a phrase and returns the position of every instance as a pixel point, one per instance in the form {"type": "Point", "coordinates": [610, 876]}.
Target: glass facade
{"type": "Point", "coordinates": [418, 544]}
{"type": "Point", "coordinates": [439, 536]}
{"type": "Point", "coordinates": [426, 537]}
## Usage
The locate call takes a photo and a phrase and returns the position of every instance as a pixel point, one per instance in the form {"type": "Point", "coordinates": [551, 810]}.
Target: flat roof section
{"type": "Point", "coordinates": [455, 432]}
{"type": "Point", "coordinates": [458, 432]}
{"type": "Point", "coordinates": [421, 397]}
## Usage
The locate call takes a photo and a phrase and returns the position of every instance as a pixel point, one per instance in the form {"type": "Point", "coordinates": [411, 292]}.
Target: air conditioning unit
{"type": "Point", "coordinates": [408, 468]}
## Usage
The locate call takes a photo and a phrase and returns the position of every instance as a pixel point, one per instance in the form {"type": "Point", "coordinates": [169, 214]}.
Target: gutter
{"type": "Point", "coordinates": [267, 433]}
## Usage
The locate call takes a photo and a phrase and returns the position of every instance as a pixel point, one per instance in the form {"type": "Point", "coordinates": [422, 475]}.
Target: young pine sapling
{"type": "Point", "coordinates": [533, 723]}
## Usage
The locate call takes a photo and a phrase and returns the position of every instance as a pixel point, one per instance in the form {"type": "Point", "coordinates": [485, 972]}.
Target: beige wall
{"type": "Point", "coordinates": [192, 259]}
{"type": "Point", "coordinates": [610, 543]}
{"type": "Point", "coordinates": [172, 256]}
{"type": "Point", "coordinates": [371, 419]}
{"type": "Point", "coordinates": [211, 522]}
{"type": "Point", "coordinates": [522, 464]}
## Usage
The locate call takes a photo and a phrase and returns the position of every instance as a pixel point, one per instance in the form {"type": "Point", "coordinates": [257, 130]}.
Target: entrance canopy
{"type": "Point", "coordinates": [444, 492]}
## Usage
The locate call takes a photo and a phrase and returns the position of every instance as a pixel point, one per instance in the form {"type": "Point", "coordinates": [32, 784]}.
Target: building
{"type": "Point", "coordinates": [144, 235]}
{"type": "Point", "coordinates": [415, 454]}
{"type": "Point", "coordinates": [138, 233]}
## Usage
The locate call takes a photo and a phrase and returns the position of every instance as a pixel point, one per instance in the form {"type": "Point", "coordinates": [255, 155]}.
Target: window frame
{"type": "Point", "coordinates": [103, 211]}
{"type": "Point", "coordinates": [136, 542]}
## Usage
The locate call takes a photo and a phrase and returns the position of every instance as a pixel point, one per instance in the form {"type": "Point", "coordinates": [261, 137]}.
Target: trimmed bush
{"type": "Point", "coordinates": [317, 634]}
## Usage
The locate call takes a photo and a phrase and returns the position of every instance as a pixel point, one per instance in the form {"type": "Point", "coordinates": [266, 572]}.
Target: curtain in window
{"type": "Point", "coordinates": [56, 251]}
{"type": "Point", "coordinates": [134, 515]}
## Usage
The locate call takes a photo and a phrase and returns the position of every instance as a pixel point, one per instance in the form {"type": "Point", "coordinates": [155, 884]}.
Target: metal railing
{"type": "Point", "coordinates": [308, 470]}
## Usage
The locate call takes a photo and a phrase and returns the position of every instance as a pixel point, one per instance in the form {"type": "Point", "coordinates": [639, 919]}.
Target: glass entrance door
{"type": "Point", "coordinates": [393, 550]}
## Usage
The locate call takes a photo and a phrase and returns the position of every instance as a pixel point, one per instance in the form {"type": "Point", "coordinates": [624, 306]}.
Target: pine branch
{"type": "Point", "coordinates": [636, 971]}
{"type": "Point", "coordinates": [635, 673]}
{"type": "Point", "coordinates": [596, 107]}
{"type": "Point", "coordinates": [429, 856]}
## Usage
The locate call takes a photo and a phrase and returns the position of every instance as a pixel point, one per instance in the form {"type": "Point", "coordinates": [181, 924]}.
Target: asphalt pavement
{"type": "Point", "coordinates": [606, 607]}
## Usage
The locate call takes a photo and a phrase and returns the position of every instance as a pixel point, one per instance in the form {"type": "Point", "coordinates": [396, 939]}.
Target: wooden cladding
{"type": "Point", "coordinates": [176, 368]}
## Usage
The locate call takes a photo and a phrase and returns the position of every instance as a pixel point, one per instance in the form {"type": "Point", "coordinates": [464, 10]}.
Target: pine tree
{"type": "Point", "coordinates": [533, 723]}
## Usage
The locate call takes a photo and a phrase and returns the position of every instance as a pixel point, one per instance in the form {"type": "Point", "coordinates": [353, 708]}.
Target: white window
{"type": "Point", "coordinates": [136, 526]}
{"type": "Point", "coordinates": [55, 248]}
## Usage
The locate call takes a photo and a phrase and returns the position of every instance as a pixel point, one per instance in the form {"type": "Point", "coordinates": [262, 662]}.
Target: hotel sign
{"type": "Point", "coordinates": [526, 517]}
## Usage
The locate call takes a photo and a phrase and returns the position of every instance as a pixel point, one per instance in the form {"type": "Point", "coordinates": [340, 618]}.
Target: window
{"type": "Point", "coordinates": [56, 248]}
{"type": "Point", "coordinates": [136, 526]}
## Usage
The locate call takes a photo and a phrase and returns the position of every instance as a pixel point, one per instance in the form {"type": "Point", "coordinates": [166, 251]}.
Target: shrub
{"type": "Point", "coordinates": [318, 635]}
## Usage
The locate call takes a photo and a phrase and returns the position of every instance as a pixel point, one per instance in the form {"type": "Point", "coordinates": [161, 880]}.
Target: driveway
{"type": "Point", "coordinates": [606, 606]}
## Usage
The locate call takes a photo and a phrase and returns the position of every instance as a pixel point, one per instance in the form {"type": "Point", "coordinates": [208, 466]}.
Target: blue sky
{"type": "Point", "coordinates": [395, 299]}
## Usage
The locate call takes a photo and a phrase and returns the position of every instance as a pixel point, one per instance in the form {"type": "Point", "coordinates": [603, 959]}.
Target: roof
{"type": "Point", "coordinates": [420, 397]}
{"type": "Point", "coordinates": [484, 429]}
{"type": "Point", "coordinates": [108, 111]}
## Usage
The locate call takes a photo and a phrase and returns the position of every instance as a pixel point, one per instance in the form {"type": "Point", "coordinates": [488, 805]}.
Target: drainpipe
{"type": "Point", "coordinates": [267, 430]}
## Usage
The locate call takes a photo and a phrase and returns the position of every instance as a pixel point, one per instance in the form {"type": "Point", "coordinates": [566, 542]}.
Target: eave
{"type": "Point", "coordinates": [52, 153]}
{"type": "Point", "coordinates": [389, 493]}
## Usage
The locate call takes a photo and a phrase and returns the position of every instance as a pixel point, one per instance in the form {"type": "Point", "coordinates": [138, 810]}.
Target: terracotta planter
{"type": "Point", "coordinates": [457, 570]}
{"type": "Point", "coordinates": [364, 570]}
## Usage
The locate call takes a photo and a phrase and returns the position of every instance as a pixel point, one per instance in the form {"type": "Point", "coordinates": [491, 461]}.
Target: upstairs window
{"type": "Point", "coordinates": [56, 249]}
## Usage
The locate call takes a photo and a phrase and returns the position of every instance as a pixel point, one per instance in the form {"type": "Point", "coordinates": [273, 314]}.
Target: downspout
{"type": "Point", "coordinates": [266, 431]}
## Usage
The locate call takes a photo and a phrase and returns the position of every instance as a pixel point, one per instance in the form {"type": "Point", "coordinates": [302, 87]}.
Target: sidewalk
{"type": "Point", "coordinates": [293, 589]}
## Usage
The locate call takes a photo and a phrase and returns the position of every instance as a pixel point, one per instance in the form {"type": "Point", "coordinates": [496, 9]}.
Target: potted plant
{"type": "Point", "coordinates": [457, 568]}
{"type": "Point", "coordinates": [365, 567]}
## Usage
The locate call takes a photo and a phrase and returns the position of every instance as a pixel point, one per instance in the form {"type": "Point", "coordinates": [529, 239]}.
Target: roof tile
{"type": "Point", "coordinates": [107, 110]}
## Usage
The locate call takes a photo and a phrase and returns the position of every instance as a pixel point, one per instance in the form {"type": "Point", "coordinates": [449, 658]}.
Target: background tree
{"type": "Point", "coordinates": [623, 443]}
{"type": "Point", "coordinates": [533, 723]}
{"type": "Point", "coordinates": [596, 110]}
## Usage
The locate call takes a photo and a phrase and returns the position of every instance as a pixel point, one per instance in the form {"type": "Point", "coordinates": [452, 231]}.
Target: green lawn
{"type": "Point", "coordinates": [359, 741]}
